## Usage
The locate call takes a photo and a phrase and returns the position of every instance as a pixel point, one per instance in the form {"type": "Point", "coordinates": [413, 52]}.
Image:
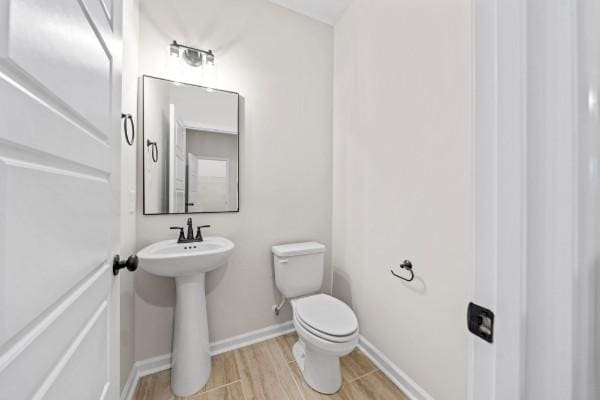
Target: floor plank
{"type": "Point", "coordinates": [355, 365]}
{"type": "Point", "coordinates": [374, 386]}
{"type": "Point", "coordinates": [155, 387]}
{"type": "Point", "coordinates": [286, 343]}
{"type": "Point", "coordinates": [284, 374]}
{"type": "Point", "coordinates": [308, 393]}
{"type": "Point", "coordinates": [261, 379]}
{"type": "Point", "coordinates": [232, 391]}
{"type": "Point", "coordinates": [224, 371]}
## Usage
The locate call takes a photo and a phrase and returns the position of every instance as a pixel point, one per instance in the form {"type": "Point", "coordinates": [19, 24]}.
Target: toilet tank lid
{"type": "Point", "coordinates": [298, 249]}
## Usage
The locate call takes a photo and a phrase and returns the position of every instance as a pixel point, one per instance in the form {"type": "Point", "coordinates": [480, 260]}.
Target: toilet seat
{"type": "Point", "coordinates": [327, 318]}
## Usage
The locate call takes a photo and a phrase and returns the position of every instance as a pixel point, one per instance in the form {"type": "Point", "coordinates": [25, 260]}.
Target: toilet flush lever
{"type": "Point", "coordinates": [284, 261]}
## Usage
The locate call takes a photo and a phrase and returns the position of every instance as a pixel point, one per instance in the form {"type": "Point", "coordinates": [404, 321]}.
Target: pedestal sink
{"type": "Point", "coordinates": [188, 264]}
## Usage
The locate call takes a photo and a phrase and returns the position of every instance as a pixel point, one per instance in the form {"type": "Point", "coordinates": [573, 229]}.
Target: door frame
{"type": "Point", "coordinates": [525, 163]}
{"type": "Point", "coordinates": [500, 196]}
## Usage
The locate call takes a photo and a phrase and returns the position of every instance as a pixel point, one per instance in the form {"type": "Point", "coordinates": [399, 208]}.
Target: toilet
{"type": "Point", "coordinates": [327, 328]}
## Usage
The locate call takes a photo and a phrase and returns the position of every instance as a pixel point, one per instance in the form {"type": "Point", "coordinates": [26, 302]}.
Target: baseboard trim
{"type": "Point", "coordinates": [142, 368]}
{"type": "Point", "coordinates": [391, 370]}
{"type": "Point", "coordinates": [247, 339]}
{"type": "Point", "coordinates": [129, 388]}
{"type": "Point", "coordinates": [163, 362]}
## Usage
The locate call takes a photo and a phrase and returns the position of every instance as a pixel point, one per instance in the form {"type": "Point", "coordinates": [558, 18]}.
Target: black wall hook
{"type": "Point", "coordinates": [407, 265]}
{"type": "Point", "coordinates": [128, 118]}
{"type": "Point", "coordinates": [154, 149]}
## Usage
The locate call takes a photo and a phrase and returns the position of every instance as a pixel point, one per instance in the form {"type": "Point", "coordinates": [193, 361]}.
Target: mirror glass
{"type": "Point", "coordinates": [191, 145]}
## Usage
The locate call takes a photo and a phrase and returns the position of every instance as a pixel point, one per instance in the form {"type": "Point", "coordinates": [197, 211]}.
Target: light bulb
{"type": "Point", "coordinates": [193, 57]}
{"type": "Point", "coordinates": [174, 49]}
{"type": "Point", "coordinates": [210, 73]}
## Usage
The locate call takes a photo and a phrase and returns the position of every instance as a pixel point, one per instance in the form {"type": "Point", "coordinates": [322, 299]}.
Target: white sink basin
{"type": "Point", "coordinates": [188, 264]}
{"type": "Point", "coordinates": [172, 259]}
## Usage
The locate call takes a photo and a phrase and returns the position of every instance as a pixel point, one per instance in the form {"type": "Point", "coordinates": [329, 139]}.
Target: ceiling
{"type": "Point", "coordinates": [327, 11]}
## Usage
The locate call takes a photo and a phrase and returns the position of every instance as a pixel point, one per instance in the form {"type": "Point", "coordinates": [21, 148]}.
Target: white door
{"type": "Point", "coordinates": [59, 198]}
{"type": "Point", "coordinates": [177, 145]}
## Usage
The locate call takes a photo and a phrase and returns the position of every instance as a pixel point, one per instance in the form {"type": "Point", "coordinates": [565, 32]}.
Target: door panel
{"type": "Point", "coordinates": [107, 6]}
{"type": "Point", "coordinates": [100, 12]}
{"type": "Point", "coordinates": [70, 145]}
{"type": "Point", "coordinates": [59, 198]}
{"type": "Point", "coordinates": [37, 351]}
{"type": "Point", "coordinates": [58, 45]}
{"type": "Point", "coordinates": [73, 373]}
{"type": "Point", "coordinates": [43, 264]}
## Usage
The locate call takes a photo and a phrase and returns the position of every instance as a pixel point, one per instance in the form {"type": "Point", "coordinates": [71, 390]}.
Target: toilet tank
{"type": "Point", "coordinates": [298, 268]}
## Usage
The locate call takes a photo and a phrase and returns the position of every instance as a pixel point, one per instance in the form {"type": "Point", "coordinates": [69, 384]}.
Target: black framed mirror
{"type": "Point", "coordinates": [191, 160]}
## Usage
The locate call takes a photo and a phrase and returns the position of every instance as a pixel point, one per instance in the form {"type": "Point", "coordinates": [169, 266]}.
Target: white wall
{"type": "Point", "coordinates": [128, 183]}
{"type": "Point", "coordinates": [402, 182]}
{"type": "Point", "coordinates": [281, 64]}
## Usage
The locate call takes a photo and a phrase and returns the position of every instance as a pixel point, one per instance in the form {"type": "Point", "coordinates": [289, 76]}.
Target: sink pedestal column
{"type": "Point", "coordinates": [191, 358]}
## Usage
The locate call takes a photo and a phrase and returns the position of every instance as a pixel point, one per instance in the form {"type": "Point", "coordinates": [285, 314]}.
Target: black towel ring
{"type": "Point", "coordinates": [126, 118]}
{"type": "Point", "coordinates": [407, 265]}
{"type": "Point", "coordinates": [154, 149]}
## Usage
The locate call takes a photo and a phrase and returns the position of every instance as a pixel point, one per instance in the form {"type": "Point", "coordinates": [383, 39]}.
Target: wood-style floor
{"type": "Point", "coordinates": [267, 371]}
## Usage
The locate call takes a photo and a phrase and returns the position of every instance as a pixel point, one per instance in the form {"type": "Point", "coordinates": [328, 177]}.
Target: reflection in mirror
{"type": "Point", "coordinates": [196, 136]}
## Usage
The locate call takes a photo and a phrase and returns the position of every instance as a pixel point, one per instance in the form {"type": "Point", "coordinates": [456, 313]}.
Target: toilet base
{"type": "Point", "coordinates": [321, 371]}
{"type": "Point", "coordinates": [298, 352]}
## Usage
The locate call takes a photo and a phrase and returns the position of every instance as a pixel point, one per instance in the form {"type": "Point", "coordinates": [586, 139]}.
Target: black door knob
{"type": "Point", "coordinates": [131, 264]}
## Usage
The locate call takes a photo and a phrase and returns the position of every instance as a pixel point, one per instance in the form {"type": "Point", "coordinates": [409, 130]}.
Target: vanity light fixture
{"type": "Point", "coordinates": [193, 56]}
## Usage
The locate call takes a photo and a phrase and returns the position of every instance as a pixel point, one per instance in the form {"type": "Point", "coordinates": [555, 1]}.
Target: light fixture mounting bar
{"type": "Point", "coordinates": [192, 55]}
{"type": "Point", "coordinates": [182, 46]}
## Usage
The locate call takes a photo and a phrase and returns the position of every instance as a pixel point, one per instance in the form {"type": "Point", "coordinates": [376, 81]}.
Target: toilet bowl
{"type": "Point", "coordinates": [327, 330]}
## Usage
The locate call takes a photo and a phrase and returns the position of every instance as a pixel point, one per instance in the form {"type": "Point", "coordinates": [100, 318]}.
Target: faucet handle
{"type": "Point", "coordinates": [181, 235]}
{"type": "Point", "coordinates": [199, 233]}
